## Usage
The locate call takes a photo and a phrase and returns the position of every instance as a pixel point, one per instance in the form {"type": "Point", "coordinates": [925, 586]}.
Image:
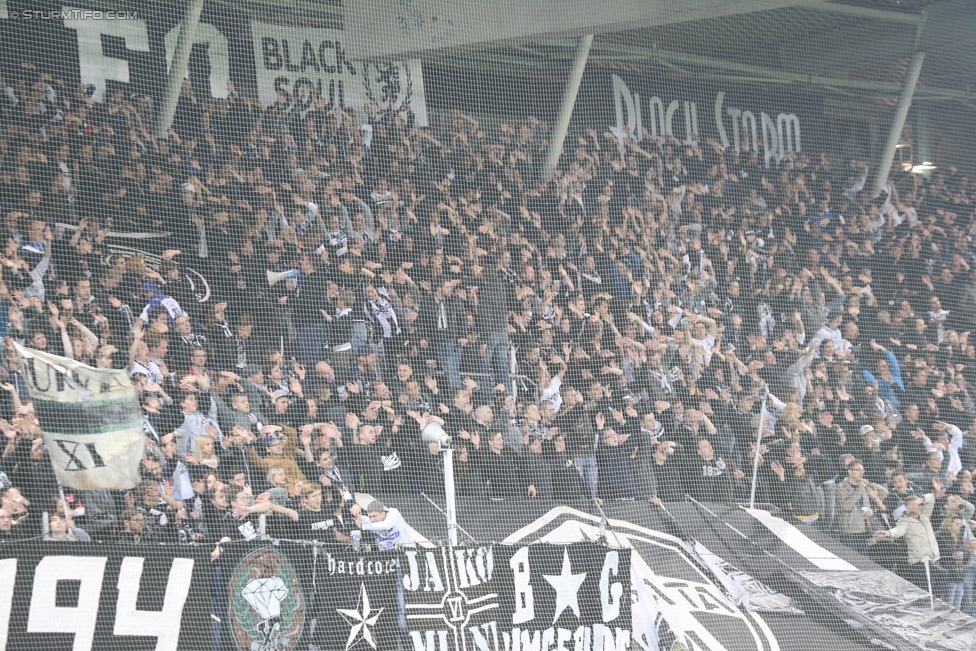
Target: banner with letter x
{"type": "Point", "coordinates": [90, 418]}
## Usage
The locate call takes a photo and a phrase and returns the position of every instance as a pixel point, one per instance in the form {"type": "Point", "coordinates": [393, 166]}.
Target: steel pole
{"type": "Point", "coordinates": [181, 57]}
{"type": "Point", "coordinates": [755, 460]}
{"type": "Point", "coordinates": [569, 101]}
{"type": "Point", "coordinates": [449, 496]}
{"type": "Point", "coordinates": [512, 368]}
{"type": "Point", "coordinates": [898, 123]}
{"type": "Point", "coordinates": [928, 578]}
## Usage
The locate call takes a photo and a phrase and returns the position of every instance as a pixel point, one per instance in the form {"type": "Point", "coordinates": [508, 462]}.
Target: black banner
{"type": "Point", "coordinates": [265, 601]}
{"type": "Point", "coordinates": [357, 602]}
{"type": "Point", "coordinates": [769, 119]}
{"type": "Point", "coordinates": [130, 51]}
{"type": "Point", "coordinates": [504, 597]}
{"type": "Point", "coordinates": [289, 595]}
{"type": "Point", "coordinates": [80, 597]}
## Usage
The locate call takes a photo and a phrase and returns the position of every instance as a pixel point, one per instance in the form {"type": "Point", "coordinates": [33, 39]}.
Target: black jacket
{"type": "Point", "coordinates": [709, 481]}
{"type": "Point", "coordinates": [502, 473]}
{"type": "Point", "coordinates": [309, 299]}
{"type": "Point", "coordinates": [430, 319]}
{"type": "Point", "coordinates": [495, 300]}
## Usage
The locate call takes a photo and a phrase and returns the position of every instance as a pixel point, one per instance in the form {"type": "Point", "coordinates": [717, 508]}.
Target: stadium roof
{"type": "Point", "coordinates": [863, 47]}
{"type": "Point", "coordinates": [860, 46]}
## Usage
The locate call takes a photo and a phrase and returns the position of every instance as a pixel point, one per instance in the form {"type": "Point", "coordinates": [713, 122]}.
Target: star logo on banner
{"type": "Point", "coordinates": [360, 619]}
{"type": "Point", "coordinates": [567, 585]}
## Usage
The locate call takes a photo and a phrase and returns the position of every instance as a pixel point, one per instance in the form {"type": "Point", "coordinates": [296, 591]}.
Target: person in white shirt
{"type": "Point", "coordinates": [916, 527]}
{"type": "Point", "coordinates": [552, 391]}
{"type": "Point", "coordinates": [946, 444]}
{"type": "Point", "coordinates": [938, 317]}
{"type": "Point", "coordinates": [704, 333]}
{"type": "Point", "coordinates": [831, 332]}
{"type": "Point", "coordinates": [139, 361]}
{"type": "Point", "coordinates": [391, 530]}
{"type": "Point", "coordinates": [387, 524]}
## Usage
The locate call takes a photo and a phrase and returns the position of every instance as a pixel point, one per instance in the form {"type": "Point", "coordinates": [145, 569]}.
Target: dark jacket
{"type": "Point", "coordinates": [309, 299]}
{"type": "Point", "coordinates": [665, 481]}
{"type": "Point", "coordinates": [709, 481]}
{"type": "Point", "coordinates": [501, 472]}
{"type": "Point", "coordinates": [616, 471]}
{"type": "Point", "coordinates": [495, 300]}
{"type": "Point", "coordinates": [430, 319]}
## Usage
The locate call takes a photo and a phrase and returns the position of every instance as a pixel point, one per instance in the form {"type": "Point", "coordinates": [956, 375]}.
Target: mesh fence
{"type": "Point", "coordinates": [438, 326]}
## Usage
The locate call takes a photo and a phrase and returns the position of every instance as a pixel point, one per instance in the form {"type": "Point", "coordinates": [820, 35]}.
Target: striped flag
{"type": "Point", "coordinates": [90, 417]}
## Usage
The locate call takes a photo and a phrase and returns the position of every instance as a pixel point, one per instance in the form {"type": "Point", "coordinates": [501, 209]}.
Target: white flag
{"type": "Point", "coordinates": [648, 614]}
{"type": "Point", "coordinates": [736, 592]}
{"type": "Point", "coordinates": [90, 418]}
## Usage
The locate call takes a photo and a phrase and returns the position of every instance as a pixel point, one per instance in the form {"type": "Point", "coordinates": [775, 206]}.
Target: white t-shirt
{"type": "Point", "coordinates": [392, 531]}
{"type": "Point", "coordinates": [150, 369]}
{"type": "Point", "coordinates": [706, 345]}
{"type": "Point", "coordinates": [552, 393]}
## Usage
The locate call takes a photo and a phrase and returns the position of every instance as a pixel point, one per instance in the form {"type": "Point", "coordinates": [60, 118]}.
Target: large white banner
{"type": "Point", "coordinates": [285, 56]}
{"type": "Point", "coordinates": [90, 418]}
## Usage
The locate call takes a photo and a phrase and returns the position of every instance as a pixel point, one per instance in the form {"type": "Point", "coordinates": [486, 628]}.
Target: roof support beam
{"type": "Point", "coordinates": [177, 71]}
{"type": "Point", "coordinates": [867, 12]}
{"type": "Point", "coordinates": [377, 29]}
{"type": "Point", "coordinates": [898, 123]}
{"type": "Point", "coordinates": [569, 101]}
{"type": "Point", "coordinates": [615, 52]}
{"type": "Point", "coordinates": [816, 80]}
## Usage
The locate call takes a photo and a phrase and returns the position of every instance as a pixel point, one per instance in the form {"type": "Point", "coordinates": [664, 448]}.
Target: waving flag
{"type": "Point", "coordinates": [90, 418]}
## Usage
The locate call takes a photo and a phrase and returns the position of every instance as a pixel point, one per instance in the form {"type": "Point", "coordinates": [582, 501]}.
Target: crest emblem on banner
{"type": "Point", "coordinates": [388, 81]}
{"type": "Point", "coordinates": [266, 608]}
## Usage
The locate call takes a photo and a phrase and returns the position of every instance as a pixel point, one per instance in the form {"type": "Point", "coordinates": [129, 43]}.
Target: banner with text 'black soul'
{"type": "Point", "coordinates": [503, 598]}
{"type": "Point", "coordinates": [80, 597]}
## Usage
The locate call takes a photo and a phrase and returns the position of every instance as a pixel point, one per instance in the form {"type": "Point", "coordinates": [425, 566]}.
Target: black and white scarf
{"type": "Point", "coordinates": [336, 478]}
{"type": "Point", "coordinates": [591, 276]}
{"type": "Point", "coordinates": [194, 340]}
{"type": "Point", "coordinates": [381, 311]}
{"type": "Point", "coordinates": [665, 379]}
{"type": "Point", "coordinates": [655, 433]}
{"type": "Point", "coordinates": [339, 243]}
{"type": "Point", "coordinates": [508, 275]}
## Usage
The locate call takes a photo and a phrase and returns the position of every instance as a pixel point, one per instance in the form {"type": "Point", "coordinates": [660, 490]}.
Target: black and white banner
{"type": "Point", "coordinates": [534, 597]}
{"type": "Point", "coordinates": [356, 604]}
{"type": "Point", "coordinates": [135, 49]}
{"type": "Point", "coordinates": [287, 57]}
{"type": "Point", "coordinates": [267, 600]}
{"type": "Point", "coordinates": [900, 607]}
{"type": "Point", "coordinates": [80, 597]}
{"type": "Point", "coordinates": [742, 116]}
{"type": "Point", "coordinates": [149, 247]}
{"type": "Point", "coordinates": [561, 579]}
{"type": "Point", "coordinates": [677, 597]}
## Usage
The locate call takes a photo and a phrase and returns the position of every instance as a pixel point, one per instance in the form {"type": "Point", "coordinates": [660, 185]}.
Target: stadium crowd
{"type": "Point", "coordinates": [611, 332]}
